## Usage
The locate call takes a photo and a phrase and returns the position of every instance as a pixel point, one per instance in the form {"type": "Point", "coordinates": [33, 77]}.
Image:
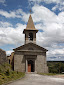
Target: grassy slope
{"type": "Point", "coordinates": [6, 74]}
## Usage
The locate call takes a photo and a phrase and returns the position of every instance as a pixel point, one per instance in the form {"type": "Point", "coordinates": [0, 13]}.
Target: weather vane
{"type": "Point", "coordinates": [30, 11]}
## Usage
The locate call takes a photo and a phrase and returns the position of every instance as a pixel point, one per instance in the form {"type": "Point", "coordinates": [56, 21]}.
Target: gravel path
{"type": "Point", "coordinates": [36, 79]}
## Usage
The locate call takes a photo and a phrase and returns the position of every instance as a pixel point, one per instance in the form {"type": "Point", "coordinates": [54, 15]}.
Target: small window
{"type": "Point", "coordinates": [31, 36]}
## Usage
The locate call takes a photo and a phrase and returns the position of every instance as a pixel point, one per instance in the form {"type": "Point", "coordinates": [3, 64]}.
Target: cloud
{"type": "Point", "coordinates": [9, 52]}
{"type": "Point", "coordinates": [35, 1]}
{"type": "Point", "coordinates": [12, 14]}
{"type": "Point", "coordinates": [43, 14]}
{"type": "Point", "coordinates": [5, 24]}
{"type": "Point", "coordinates": [2, 1]}
{"type": "Point", "coordinates": [54, 1]}
{"type": "Point", "coordinates": [59, 7]}
{"type": "Point", "coordinates": [15, 14]}
{"type": "Point", "coordinates": [58, 54]}
{"type": "Point", "coordinates": [10, 35]}
{"type": "Point", "coordinates": [48, 1]}
{"type": "Point", "coordinates": [59, 3]}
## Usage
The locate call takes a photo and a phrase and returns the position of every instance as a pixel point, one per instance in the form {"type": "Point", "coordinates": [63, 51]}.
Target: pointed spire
{"type": "Point", "coordinates": [30, 24]}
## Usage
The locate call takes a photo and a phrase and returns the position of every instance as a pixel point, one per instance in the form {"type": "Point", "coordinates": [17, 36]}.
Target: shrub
{"type": "Point", "coordinates": [7, 72]}
{"type": "Point", "coordinates": [0, 70]}
{"type": "Point", "coordinates": [17, 72]}
{"type": "Point", "coordinates": [56, 67]}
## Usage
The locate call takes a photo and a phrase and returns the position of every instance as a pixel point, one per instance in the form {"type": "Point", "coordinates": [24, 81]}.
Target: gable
{"type": "Point", "coordinates": [30, 46]}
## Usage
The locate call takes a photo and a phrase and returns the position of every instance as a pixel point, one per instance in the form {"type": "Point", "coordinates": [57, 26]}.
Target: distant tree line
{"type": "Point", "coordinates": [55, 67]}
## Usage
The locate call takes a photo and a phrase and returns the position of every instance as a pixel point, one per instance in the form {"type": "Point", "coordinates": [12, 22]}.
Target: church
{"type": "Point", "coordinates": [30, 57]}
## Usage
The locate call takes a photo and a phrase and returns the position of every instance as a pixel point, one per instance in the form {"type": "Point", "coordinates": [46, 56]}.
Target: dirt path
{"type": "Point", "coordinates": [35, 79]}
{"type": "Point", "coordinates": [60, 76]}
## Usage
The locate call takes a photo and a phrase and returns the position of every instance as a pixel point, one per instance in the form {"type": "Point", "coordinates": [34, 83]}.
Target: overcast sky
{"type": "Point", "coordinates": [48, 17]}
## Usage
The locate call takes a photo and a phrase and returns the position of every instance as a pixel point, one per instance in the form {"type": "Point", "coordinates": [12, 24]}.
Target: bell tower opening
{"type": "Point", "coordinates": [30, 36]}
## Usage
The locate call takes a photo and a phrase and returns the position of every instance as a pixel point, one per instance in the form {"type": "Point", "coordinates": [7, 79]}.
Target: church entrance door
{"type": "Point", "coordinates": [30, 66]}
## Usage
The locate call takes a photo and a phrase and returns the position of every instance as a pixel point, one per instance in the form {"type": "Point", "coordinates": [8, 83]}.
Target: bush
{"type": "Point", "coordinates": [56, 67]}
{"type": "Point", "coordinates": [4, 67]}
{"type": "Point", "coordinates": [17, 72]}
{"type": "Point", "coordinates": [0, 70]}
{"type": "Point", "coordinates": [7, 72]}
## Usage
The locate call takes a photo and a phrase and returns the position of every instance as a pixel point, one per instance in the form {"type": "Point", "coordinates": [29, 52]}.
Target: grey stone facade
{"type": "Point", "coordinates": [30, 57]}
{"type": "Point", "coordinates": [23, 54]}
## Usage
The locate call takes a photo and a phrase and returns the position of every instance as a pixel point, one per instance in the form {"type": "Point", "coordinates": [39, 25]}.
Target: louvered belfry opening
{"type": "Point", "coordinates": [31, 36]}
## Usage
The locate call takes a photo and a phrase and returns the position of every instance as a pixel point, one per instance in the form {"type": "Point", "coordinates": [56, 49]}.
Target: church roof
{"type": "Point", "coordinates": [30, 24]}
{"type": "Point", "coordinates": [30, 45]}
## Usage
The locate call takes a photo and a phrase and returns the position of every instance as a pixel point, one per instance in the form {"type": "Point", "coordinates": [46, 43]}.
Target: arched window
{"type": "Point", "coordinates": [31, 36]}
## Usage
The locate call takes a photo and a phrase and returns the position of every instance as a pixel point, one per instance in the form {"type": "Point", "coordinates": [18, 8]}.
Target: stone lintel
{"type": "Point", "coordinates": [30, 53]}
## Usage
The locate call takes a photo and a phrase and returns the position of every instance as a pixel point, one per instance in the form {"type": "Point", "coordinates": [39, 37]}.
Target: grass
{"type": "Point", "coordinates": [7, 75]}
{"type": "Point", "coordinates": [49, 74]}
{"type": "Point", "coordinates": [4, 78]}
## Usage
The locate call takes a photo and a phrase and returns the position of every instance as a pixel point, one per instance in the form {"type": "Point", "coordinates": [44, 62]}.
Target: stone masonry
{"type": "Point", "coordinates": [2, 56]}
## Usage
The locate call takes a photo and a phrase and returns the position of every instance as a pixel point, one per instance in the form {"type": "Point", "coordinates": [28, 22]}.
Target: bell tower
{"type": "Point", "coordinates": [30, 31]}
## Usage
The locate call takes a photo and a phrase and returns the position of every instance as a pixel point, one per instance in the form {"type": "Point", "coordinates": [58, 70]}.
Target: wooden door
{"type": "Point", "coordinates": [29, 67]}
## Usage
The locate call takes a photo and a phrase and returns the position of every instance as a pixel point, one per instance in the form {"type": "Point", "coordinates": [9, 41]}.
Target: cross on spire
{"type": "Point", "coordinates": [30, 11]}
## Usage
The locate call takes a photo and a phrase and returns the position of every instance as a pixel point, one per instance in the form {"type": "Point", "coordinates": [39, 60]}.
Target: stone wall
{"type": "Point", "coordinates": [2, 56]}
{"type": "Point", "coordinates": [19, 63]}
{"type": "Point", "coordinates": [41, 64]}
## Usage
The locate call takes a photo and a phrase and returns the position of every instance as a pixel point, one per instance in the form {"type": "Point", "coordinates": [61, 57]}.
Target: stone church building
{"type": "Point", "coordinates": [30, 57]}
